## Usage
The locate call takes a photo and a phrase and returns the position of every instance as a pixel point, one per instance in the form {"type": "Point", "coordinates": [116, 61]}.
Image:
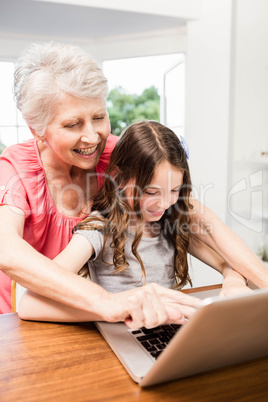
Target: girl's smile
{"type": "Point", "coordinates": [162, 192]}
{"type": "Point", "coordinates": [157, 213]}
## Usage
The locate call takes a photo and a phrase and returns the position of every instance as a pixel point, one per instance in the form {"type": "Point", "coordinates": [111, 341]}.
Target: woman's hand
{"type": "Point", "coordinates": [150, 306]}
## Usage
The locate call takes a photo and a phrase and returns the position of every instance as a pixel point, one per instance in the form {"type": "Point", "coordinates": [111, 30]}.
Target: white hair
{"type": "Point", "coordinates": [47, 70]}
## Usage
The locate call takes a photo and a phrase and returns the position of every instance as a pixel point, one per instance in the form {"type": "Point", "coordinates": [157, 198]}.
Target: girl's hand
{"type": "Point", "coordinates": [234, 284]}
{"type": "Point", "coordinates": [235, 291]}
{"type": "Point", "coordinates": [150, 306]}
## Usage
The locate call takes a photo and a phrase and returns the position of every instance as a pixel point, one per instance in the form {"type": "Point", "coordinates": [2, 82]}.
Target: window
{"type": "Point", "coordinates": [164, 72]}
{"type": "Point", "coordinates": [134, 75]}
{"type": "Point", "coordinates": [174, 97]}
{"type": "Point", "coordinates": [13, 128]}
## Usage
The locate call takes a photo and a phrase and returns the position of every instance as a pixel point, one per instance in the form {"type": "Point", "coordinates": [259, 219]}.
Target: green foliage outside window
{"type": "Point", "coordinates": [125, 109]}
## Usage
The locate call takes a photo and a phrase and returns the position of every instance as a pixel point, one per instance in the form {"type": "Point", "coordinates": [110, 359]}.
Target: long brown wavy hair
{"type": "Point", "coordinates": [141, 148]}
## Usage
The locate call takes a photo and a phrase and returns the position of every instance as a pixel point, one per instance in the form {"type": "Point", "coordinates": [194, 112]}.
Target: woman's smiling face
{"type": "Point", "coordinates": [78, 131]}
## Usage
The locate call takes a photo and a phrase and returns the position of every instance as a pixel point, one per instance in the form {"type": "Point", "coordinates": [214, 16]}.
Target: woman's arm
{"type": "Point", "coordinates": [36, 307]}
{"type": "Point", "coordinates": [147, 306]}
{"type": "Point", "coordinates": [31, 269]}
{"type": "Point", "coordinates": [208, 228]}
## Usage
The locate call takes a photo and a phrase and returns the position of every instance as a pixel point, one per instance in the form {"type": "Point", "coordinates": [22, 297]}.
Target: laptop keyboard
{"type": "Point", "coordinates": [154, 340]}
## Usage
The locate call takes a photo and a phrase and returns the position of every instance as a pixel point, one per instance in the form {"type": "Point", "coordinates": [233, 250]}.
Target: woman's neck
{"type": "Point", "coordinates": [58, 167]}
{"type": "Point", "coordinates": [70, 187]}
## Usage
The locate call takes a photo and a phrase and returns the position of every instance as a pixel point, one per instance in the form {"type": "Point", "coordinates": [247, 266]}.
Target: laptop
{"type": "Point", "coordinates": [222, 332]}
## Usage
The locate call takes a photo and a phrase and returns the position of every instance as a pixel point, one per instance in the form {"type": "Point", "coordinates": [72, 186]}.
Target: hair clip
{"type": "Point", "coordinates": [184, 146]}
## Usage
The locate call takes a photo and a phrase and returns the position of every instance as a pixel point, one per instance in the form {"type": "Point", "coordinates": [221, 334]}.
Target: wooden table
{"type": "Point", "coordinates": [72, 362]}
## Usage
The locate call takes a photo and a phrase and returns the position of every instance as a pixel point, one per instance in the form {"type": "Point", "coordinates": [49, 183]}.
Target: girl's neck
{"type": "Point", "coordinates": [148, 229]}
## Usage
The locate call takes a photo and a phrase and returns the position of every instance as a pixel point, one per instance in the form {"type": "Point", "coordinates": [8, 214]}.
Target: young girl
{"type": "Point", "coordinates": [139, 230]}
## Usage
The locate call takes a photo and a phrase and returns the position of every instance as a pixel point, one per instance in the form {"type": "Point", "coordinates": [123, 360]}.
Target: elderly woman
{"type": "Point", "coordinates": [47, 184]}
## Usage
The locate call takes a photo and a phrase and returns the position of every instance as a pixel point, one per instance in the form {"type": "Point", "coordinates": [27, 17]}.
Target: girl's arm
{"type": "Point", "coordinates": [233, 283]}
{"type": "Point", "coordinates": [76, 253]}
{"type": "Point", "coordinates": [35, 307]}
{"type": "Point", "coordinates": [208, 228]}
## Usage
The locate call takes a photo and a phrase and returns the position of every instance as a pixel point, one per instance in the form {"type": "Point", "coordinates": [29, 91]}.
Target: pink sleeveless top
{"type": "Point", "coordinates": [23, 184]}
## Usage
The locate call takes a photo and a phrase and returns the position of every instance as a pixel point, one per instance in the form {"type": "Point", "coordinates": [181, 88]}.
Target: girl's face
{"type": "Point", "coordinates": [78, 131]}
{"type": "Point", "coordinates": [162, 192]}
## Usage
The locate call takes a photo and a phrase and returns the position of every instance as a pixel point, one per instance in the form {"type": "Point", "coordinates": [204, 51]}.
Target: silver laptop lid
{"type": "Point", "coordinates": [222, 332]}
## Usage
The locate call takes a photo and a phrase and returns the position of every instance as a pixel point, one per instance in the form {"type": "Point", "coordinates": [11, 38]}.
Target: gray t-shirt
{"type": "Point", "coordinates": [156, 253]}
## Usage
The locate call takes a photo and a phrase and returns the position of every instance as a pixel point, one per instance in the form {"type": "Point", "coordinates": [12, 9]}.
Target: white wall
{"type": "Point", "coordinates": [207, 103]}
{"type": "Point", "coordinates": [249, 131]}
{"type": "Point", "coordinates": [227, 120]}
{"type": "Point", "coordinates": [208, 75]}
